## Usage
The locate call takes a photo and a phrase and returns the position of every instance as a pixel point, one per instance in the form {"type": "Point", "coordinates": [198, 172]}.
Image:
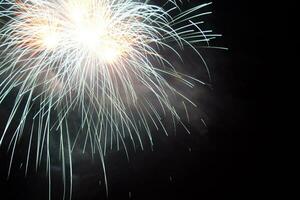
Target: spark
{"type": "Point", "coordinates": [92, 71]}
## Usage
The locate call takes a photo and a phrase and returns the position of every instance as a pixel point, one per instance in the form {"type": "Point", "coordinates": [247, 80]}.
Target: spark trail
{"type": "Point", "coordinates": [92, 73]}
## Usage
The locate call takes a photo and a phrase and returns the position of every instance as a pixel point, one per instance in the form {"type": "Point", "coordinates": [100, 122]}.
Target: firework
{"type": "Point", "coordinates": [94, 67]}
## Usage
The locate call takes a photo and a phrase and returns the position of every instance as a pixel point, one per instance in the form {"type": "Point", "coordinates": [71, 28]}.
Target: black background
{"type": "Point", "coordinates": [223, 161]}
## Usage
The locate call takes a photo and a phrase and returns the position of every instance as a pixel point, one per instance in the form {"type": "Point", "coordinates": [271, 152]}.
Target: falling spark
{"type": "Point", "coordinates": [81, 68]}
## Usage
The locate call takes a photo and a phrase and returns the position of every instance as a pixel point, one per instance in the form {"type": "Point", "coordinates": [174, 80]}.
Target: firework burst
{"type": "Point", "coordinates": [85, 65]}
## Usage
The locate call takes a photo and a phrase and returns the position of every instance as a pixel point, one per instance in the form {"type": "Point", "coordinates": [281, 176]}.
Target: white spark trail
{"type": "Point", "coordinates": [93, 73]}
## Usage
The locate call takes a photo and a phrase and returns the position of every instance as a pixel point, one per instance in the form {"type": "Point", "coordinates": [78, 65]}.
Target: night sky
{"type": "Point", "coordinates": [213, 162]}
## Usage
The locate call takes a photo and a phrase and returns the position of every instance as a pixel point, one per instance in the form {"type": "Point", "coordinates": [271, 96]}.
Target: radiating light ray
{"type": "Point", "coordinates": [97, 63]}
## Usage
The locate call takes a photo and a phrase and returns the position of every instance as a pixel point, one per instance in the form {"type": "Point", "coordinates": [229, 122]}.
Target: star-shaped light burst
{"type": "Point", "coordinates": [92, 71]}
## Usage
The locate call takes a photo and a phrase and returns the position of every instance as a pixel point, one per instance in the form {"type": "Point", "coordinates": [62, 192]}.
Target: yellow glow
{"type": "Point", "coordinates": [110, 55]}
{"type": "Point", "coordinates": [50, 40]}
{"type": "Point", "coordinates": [92, 32]}
{"type": "Point", "coordinates": [110, 52]}
{"type": "Point", "coordinates": [87, 28]}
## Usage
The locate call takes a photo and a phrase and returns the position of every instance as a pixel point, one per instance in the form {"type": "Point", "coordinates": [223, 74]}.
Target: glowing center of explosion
{"type": "Point", "coordinates": [98, 72]}
{"type": "Point", "coordinates": [85, 29]}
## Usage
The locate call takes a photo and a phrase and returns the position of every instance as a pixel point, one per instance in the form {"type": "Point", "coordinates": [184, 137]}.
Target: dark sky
{"type": "Point", "coordinates": [219, 162]}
